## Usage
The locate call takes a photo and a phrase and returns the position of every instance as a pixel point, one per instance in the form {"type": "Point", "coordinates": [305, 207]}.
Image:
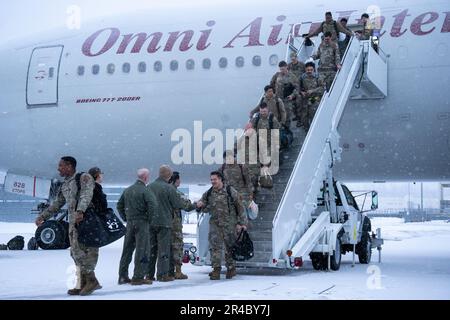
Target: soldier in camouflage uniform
{"type": "Point", "coordinates": [330, 60]}
{"type": "Point", "coordinates": [286, 86]}
{"type": "Point", "coordinates": [227, 218]}
{"type": "Point", "coordinates": [311, 88]}
{"type": "Point", "coordinates": [298, 69]}
{"type": "Point", "coordinates": [266, 125]}
{"type": "Point", "coordinates": [237, 176]}
{"type": "Point", "coordinates": [247, 153]}
{"type": "Point", "coordinates": [275, 105]}
{"type": "Point", "coordinates": [136, 206]}
{"type": "Point", "coordinates": [161, 225]}
{"type": "Point", "coordinates": [332, 26]}
{"type": "Point", "coordinates": [177, 231]}
{"type": "Point", "coordinates": [367, 31]}
{"type": "Point", "coordinates": [77, 202]}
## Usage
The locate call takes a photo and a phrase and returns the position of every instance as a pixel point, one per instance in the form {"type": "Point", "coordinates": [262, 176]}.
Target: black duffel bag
{"type": "Point", "coordinates": [243, 247]}
{"type": "Point", "coordinates": [100, 229]}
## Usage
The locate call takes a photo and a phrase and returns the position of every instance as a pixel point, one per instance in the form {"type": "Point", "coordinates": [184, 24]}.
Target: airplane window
{"type": "Point", "coordinates": [273, 60]}
{"type": "Point", "coordinates": [126, 67]}
{"type": "Point", "coordinates": [51, 72]}
{"type": "Point", "coordinates": [157, 66]}
{"type": "Point", "coordinates": [174, 65]}
{"type": "Point", "coordinates": [95, 69]}
{"type": "Point", "coordinates": [142, 67]}
{"type": "Point", "coordinates": [111, 68]}
{"type": "Point", "coordinates": [257, 61]}
{"type": "Point", "coordinates": [223, 63]}
{"type": "Point", "coordinates": [190, 64]}
{"type": "Point", "coordinates": [80, 70]}
{"type": "Point", "coordinates": [206, 63]}
{"type": "Point", "coordinates": [240, 62]}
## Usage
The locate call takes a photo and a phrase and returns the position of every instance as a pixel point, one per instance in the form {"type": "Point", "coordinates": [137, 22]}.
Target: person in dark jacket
{"type": "Point", "coordinates": [99, 198]}
{"type": "Point", "coordinates": [136, 206]}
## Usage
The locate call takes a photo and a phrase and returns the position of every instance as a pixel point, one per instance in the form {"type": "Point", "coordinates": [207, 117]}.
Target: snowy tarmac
{"type": "Point", "coordinates": [415, 265]}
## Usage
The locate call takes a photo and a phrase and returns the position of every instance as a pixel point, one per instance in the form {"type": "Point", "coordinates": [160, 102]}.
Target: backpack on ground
{"type": "Point", "coordinates": [32, 244]}
{"type": "Point", "coordinates": [16, 243]}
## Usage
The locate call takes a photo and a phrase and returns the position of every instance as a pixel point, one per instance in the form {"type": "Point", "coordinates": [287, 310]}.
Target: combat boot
{"type": "Point", "coordinates": [165, 278]}
{"type": "Point", "coordinates": [231, 272]}
{"type": "Point", "coordinates": [178, 274]}
{"type": "Point", "coordinates": [139, 282]}
{"type": "Point", "coordinates": [215, 274]}
{"type": "Point", "coordinates": [76, 291]}
{"type": "Point", "coordinates": [92, 284]}
{"type": "Point", "coordinates": [123, 280]}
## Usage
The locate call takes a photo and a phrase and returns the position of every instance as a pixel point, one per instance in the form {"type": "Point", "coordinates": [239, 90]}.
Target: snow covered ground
{"type": "Point", "coordinates": [416, 265]}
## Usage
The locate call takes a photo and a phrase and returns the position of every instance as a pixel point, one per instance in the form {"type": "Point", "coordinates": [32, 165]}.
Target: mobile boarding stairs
{"type": "Point", "coordinates": [299, 217]}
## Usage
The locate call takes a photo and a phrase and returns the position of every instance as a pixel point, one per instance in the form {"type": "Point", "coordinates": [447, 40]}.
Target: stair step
{"type": "Point", "coordinates": [260, 225]}
{"type": "Point", "coordinates": [260, 236]}
{"type": "Point", "coordinates": [262, 245]}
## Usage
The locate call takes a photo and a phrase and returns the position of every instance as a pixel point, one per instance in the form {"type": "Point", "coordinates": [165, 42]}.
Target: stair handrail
{"type": "Point", "coordinates": [292, 38]}
{"type": "Point", "coordinates": [310, 141]}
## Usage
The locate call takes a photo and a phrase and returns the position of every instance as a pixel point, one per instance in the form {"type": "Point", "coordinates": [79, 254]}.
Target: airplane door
{"type": "Point", "coordinates": [43, 73]}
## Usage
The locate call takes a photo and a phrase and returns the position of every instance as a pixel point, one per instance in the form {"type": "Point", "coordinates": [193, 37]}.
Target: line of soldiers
{"type": "Point", "coordinates": [295, 91]}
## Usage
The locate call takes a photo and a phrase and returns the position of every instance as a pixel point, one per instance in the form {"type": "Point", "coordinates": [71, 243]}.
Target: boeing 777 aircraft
{"type": "Point", "coordinates": [112, 93]}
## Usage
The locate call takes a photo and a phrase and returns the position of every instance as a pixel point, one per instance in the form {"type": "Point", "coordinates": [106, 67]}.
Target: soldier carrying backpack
{"type": "Point", "coordinates": [227, 218]}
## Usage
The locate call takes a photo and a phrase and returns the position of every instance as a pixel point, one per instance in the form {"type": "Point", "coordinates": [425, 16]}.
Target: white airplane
{"type": "Point", "coordinates": [112, 93]}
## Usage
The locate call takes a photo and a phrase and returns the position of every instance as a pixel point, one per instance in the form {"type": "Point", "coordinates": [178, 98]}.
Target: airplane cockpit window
{"type": "Point", "coordinates": [206, 63]}
{"type": "Point", "coordinates": [190, 64]}
{"type": "Point", "coordinates": [273, 60]}
{"type": "Point", "coordinates": [80, 70]}
{"type": "Point", "coordinates": [126, 67]}
{"type": "Point", "coordinates": [142, 67]}
{"type": "Point", "coordinates": [95, 69]}
{"type": "Point", "coordinates": [256, 61]}
{"type": "Point", "coordinates": [157, 66]}
{"type": "Point", "coordinates": [223, 63]}
{"type": "Point", "coordinates": [174, 65]}
{"type": "Point", "coordinates": [111, 68]}
{"type": "Point", "coordinates": [240, 62]}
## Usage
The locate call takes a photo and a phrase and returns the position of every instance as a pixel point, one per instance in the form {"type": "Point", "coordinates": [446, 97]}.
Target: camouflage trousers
{"type": "Point", "coordinates": [177, 243]}
{"type": "Point", "coordinates": [302, 112]}
{"type": "Point", "coordinates": [218, 237]}
{"type": "Point", "coordinates": [327, 77]}
{"type": "Point", "coordinates": [85, 257]}
{"type": "Point", "coordinates": [289, 105]}
{"type": "Point", "coordinates": [160, 240]}
{"type": "Point", "coordinates": [311, 112]}
{"type": "Point", "coordinates": [136, 239]}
